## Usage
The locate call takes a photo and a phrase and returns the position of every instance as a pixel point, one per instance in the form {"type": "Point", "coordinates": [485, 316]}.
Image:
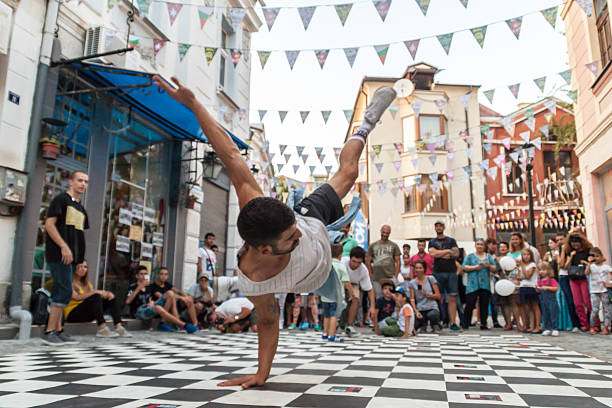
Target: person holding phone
{"type": "Point", "coordinates": [424, 296]}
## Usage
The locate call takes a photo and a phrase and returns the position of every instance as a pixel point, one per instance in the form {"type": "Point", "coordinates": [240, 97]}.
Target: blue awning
{"type": "Point", "coordinates": [148, 100]}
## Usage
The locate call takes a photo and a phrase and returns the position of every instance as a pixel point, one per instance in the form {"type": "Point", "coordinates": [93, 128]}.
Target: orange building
{"type": "Point", "coordinates": [548, 125]}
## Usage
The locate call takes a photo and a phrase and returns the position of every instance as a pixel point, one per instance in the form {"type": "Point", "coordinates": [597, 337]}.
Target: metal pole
{"type": "Point", "coordinates": [531, 212]}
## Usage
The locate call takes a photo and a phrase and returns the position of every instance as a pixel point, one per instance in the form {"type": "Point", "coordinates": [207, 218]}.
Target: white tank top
{"type": "Point", "coordinates": [308, 268]}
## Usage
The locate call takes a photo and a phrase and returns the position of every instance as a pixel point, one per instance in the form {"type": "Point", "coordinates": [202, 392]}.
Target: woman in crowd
{"type": "Point", "coordinates": [508, 303]}
{"type": "Point", "coordinates": [528, 299]}
{"type": "Point", "coordinates": [566, 299]}
{"type": "Point", "coordinates": [491, 248]}
{"type": "Point", "coordinates": [575, 260]}
{"type": "Point", "coordinates": [424, 296]}
{"type": "Point", "coordinates": [478, 267]}
{"type": "Point", "coordinates": [552, 255]}
{"type": "Point", "coordinates": [518, 243]}
{"type": "Point", "coordinates": [88, 304]}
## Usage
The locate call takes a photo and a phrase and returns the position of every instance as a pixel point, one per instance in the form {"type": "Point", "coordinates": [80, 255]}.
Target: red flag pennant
{"type": "Point", "coordinates": [173, 11]}
{"type": "Point", "coordinates": [413, 47]}
{"type": "Point", "coordinates": [158, 45]}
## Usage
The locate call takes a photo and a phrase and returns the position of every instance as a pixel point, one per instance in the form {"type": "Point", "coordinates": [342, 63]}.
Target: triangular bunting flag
{"type": "Point", "coordinates": [304, 115]}
{"type": "Point", "coordinates": [321, 56]}
{"type": "Point", "coordinates": [377, 149]}
{"type": "Point", "coordinates": [263, 57]}
{"type": "Point", "coordinates": [337, 151]}
{"type": "Point", "coordinates": [514, 89]}
{"type": "Point", "coordinates": [157, 46]}
{"type": "Point", "coordinates": [489, 95]}
{"type": "Point", "coordinates": [484, 165]}
{"type": "Point", "coordinates": [306, 14]}
{"type": "Point", "coordinates": [282, 148]}
{"type": "Point", "coordinates": [173, 11]}
{"type": "Point", "coordinates": [423, 5]}
{"type": "Point", "coordinates": [525, 136]}
{"type": "Point", "coordinates": [537, 143]}
{"type": "Point", "coordinates": [397, 164]}
{"type": "Point", "coordinates": [593, 67]}
{"type": "Point", "coordinates": [540, 83]}
{"type": "Point", "coordinates": [551, 105]}
{"type": "Point", "coordinates": [348, 114]}
{"type": "Point", "coordinates": [586, 6]}
{"type": "Point", "coordinates": [413, 47]}
{"type": "Point", "coordinates": [465, 100]}
{"type": "Point", "coordinates": [291, 57]}
{"type": "Point", "coordinates": [531, 124]}
{"type": "Point", "coordinates": [236, 54]}
{"type": "Point", "coordinates": [299, 150]}
{"type": "Point", "coordinates": [479, 34]}
{"type": "Point", "coordinates": [296, 167]}
{"type": "Point", "coordinates": [282, 115]}
{"type": "Point", "coordinates": [433, 176]}
{"type": "Point", "coordinates": [382, 51]}
{"type": "Point", "coordinates": [182, 50]}
{"type": "Point", "coordinates": [492, 172]}
{"type": "Point", "coordinates": [450, 156]}
{"type": "Point", "coordinates": [328, 169]}
{"type": "Point", "coordinates": [445, 41]}
{"type": "Point", "coordinates": [143, 7]}
{"type": "Point", "coordinates": [464, 2]}
{"type": "Point", "coordinates": [440, 104]}
{"type": "Point", "coordinates": [312, 169]}
{"type": "Point", "coordinates": [343, 11]}
{"type": "Point", "coordinates": [514, 156]}
{"type": "Point", "coordinates": [134, 40]}
{"type": "Point", "coordinates": [325, 115]}
{"type": "Point", "coordinates": [399, 146]}
{"type": "Point", "coordinates": [237, 14]}
{"type": "Point", "coordinates": [319, 151]}
{"type": "Point", "coordinates": [270, 14]}
{"type": "Point", "coordinates": [468, 151]}
{"type": "Point", "coordinates": [545, 130]}
{"type": "Point", "coordinates": [351, 54]}
{"type": "Point", "coordinates": [567, 76]}
{"type": "Point", "coordinates": [432, 159]}
{"type": "Point", "coordinates": [416, 107]}
{"type": "Point", "coordinates": [515, 26]}
{"type": "Point", "coordinates": [573, 94]}
{"type": "Point", "coordinates": [379, 166]}
{"type": "Point", "coordinates": [209, 52]}
{"type": "Point", "coordinates": [487, 147]}
{"type": "Point", "coordinates": [530, 113]}
{"type": "Point", "coordinates": [393, 109]}
{"type": "Point", "coordinates": [506, 142]}
{"type": "Point", "coordinates": [550, 14]}
{"type": "Point", "coordinates": [204, 13]}
{"type": "Point", "coordinates": [261, 113]}
{"type": "Point", "coordinates": [382, 6]}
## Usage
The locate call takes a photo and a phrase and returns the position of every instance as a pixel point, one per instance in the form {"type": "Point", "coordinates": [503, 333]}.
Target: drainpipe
{"type": "Point", "coordinates": [49, 50]}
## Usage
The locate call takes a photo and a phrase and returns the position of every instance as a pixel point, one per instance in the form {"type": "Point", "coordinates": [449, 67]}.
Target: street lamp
{"type": "Point", "coordinates": [212, 166]}
{"type": "Point", "coordinates": [529, 149]}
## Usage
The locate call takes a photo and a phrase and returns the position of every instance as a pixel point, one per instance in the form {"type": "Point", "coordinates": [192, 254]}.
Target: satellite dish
{"type": "Point", "coordinates": [404, 88]}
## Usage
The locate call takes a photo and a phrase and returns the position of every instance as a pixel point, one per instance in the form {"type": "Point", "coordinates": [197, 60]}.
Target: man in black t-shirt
{"type": "Point", "coordinates": [139, 292]}
{"type": "Point", "coordinates": [65, 248]}
{"type": "Point", "coordinates": [445, 251]}
{"type": "Point", "coordinates": [180, 302]}
{"type": "Point", "coordinates": [385, 305]}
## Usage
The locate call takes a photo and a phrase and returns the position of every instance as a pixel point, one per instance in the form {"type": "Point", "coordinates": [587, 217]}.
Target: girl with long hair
{"type": "Point", "coordinates": [576, 251]}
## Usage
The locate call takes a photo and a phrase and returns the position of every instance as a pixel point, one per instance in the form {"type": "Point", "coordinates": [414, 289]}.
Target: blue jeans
{"type": "Point", "coordinates": [61, 291]}
{"type": "Point", "coordinates": [550, 310]}
{"type": "Point", "coordinates": [332, 289]}
{"type": "Point", "coordinates": [567, 292]}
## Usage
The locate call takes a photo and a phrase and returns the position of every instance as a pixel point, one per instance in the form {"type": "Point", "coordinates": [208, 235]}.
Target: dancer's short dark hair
{"type": "Point", "coordinates": [358, 252]}
{"type": "Point", "coordinates": [262, 221]}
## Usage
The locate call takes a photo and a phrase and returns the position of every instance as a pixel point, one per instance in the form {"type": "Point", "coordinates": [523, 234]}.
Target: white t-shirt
{"type": "Point", "coordinates": [599, 276]}
{"type": "Point", "coordinates": [233, 306]}
{"type": "Point", "coordinates": [400, 316]}
{"type": "Point", "coordinates": [531, 282]}
{"type": "Point", "coordinates": [405, 269]}
{"type": "Point", "coordinates": [359, 276]}
{"type": "Point", "coordinates": [208, 260]}
{"type": "Point", "coordinates": [308, 268]}
{"type": "Point", "coordinates": [195, 291]}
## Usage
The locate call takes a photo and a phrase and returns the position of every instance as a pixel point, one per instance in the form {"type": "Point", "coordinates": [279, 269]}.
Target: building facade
{"type": "Point", "coordinates": [419, 162]}
{"type": "Point", "coordinates": [140, 150]}
{"type": "Point", "coordinates": [542, 134]}
{"type": "Point", "coordinates": [589, 41]}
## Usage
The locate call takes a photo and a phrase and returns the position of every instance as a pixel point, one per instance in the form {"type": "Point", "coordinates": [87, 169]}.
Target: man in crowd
{"type": "Point", "coordinates": [360, 283]}
{"type": "Point", "coordinates": [65, 248]}
{"type": "Point", "coordinates": [406, 249]}
{"type": "Point", "coordinates": [180, 303]}
{"type": "Point", "coordinates": [445, 251]}
{"type": "Point", "coordinates": [202, 296]}
{"type": "Point", "coordinates": [139, 292]}
{"type": "Point", "coordinates": [207, 258]}
{"type": "Point", "coordinates": [421, 255]}
{"type": "Point", "coordinates": [234, 316]}
{"type": "Point", "coordinates": [385, 305]}
{"type": "Point", "coordinates": [383, 260]}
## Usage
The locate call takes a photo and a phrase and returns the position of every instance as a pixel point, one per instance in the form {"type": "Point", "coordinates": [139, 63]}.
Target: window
{"type": "Point", "coordinates": [430, 126]}
{"type": "Point", "coordinates": [246, 45]}
{"type": "Point", "coordinates": [224, 54]}
{"type": "Point", "coordinates": [553, 165]}
{"type": "Point", "coordinates": [513, 182]}
{"type": "Point", "coordinates": [425, 128]}
{"type": "Point", "coordinates": [409, 131]}
{"type": "Point", "coordinates": [427, 197]}
{"type": "Point", "coordinates": [603, 31]}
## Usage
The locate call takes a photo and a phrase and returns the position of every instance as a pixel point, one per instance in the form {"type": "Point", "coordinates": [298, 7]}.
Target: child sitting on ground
{"type": "Point", "coordinates": [330, 321]}
{"type": "Point", "coordinates": [385, 305]}
{"type": "Point", "coordinates": [548, 287]}
{"type": "Point", "coordinates": [402, 322]}
{"type": "Point", "coordinates": [599, 272]}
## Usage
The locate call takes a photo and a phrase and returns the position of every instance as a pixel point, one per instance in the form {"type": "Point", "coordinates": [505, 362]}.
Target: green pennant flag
{"type": "Point", "coordinates": [567, 76]}
{"type": "Point", "coordinates": [134, 40]}
{"type": "Point", "coordinates": [530, 113]}
{"type": "Point", "coordinates": [445, 41]}
{"type": "Point", "coordinates": [382, 51]}
{"type": "Point", "coordinates": [479, 34]}
{"type": "Point", "coordinates": [541, 83]}
{"type": "Point", "coordinates": [550, 14]}
{"type": "Point", "coordinates": [393, 111]}
{"type": "Point", "coordinates": [325, 115]}
{"type": "Point", "coordinates": [210, 54]}
{"type": "Point", "coordinates": [204, 13]}
{"type": "Point", "coordinates": [348, 113]}
{"type": "Point", "coordinates": [182, 50]}
{"type": "Point", "coordinates": [282, 115]}
{"type": "Point", "coordinates": [423, 5]}
{"type": "Point", "coordinates": [573, 95]}
{"type": "Point", "coordinates": [143, 7]}
{"type": "Point", "coordinates": [489, 95]}
{"type": "Point", "coordinates": [484, 129]}
{"type": "Point", "coordinates": [464, 2]}
{"type": "Point", "coordinates": [377, 149]}
{"type": "Point", "coordinates": [343, 11]}
{"type": "Point", "coordinates": [263, 57]}
{"type": "Point", "coordinates": [318, 151]}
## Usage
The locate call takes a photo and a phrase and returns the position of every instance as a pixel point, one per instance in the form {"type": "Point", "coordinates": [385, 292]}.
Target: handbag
{"type": "Point", "coordinates": [576, 272]}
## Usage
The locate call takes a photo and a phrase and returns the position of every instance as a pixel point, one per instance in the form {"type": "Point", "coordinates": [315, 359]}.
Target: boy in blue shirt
{"type": "Point", "coordinates": [330, 307]}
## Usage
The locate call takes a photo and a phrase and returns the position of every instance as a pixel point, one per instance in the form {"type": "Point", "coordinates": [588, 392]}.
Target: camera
{"type": "Point", "coordinates": [219, 320]}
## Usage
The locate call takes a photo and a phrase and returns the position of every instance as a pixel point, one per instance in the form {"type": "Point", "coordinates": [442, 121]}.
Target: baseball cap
{"type": "Point", "coordinates": [204, 275]}
{"type": "Point", "coordinates": [440, 221]}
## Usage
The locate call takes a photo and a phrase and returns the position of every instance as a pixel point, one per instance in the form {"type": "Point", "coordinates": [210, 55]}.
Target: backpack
{"type": "Point", "coordinates": [39, 306]}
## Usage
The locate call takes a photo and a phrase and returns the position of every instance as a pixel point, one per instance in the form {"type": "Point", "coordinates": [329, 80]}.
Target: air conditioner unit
{"type": "Point", "coordinates": [95, 41]}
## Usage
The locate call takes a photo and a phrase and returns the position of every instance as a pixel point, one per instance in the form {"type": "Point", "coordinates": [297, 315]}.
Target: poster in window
{"type": "Point", "coordinates": [123, 244]}
{"type": "Point", "coordinates": [149, 214]}
{"type": "Point", "coordinates": [125, 216]}
{"type": "Point", "coordinates": [137, 211]}
{"type": "Point", "coordinates": [146, 250]}
{"type": "Point", "coordinates": [158, 239]}
{"type": "Point", "coordinates": [136, 232]}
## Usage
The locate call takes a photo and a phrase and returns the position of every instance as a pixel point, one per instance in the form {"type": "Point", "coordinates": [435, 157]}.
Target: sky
{"type": "Point", "coordinates": [504, 60]}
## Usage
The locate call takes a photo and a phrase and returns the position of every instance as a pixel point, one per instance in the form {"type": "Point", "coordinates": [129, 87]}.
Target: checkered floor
{"type": "Point", "coordinates": [427, 371]}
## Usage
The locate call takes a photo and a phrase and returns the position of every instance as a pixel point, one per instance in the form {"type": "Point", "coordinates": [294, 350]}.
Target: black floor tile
{"type": "Point", "coordinates": [88, 402]}
{"type": "Point", "coordinates": [560, 401]}
{"type": "Point", "coordinates": [477, 387]}
{"type": "Point", "coordinates": [72, 389]}
{"type": "Point", "coordinates": [412, 394]}
{"type": "Point", "coordinates": [165, 382]}
{"type": "Point", "coordinates": [597, 392]}
{"type": "Point", "coordinates": [192, 395]}
{"type": "Point", "coordinates": [418, 376]}
{"type": "Point", "coordinates": [354, 381]}
{"type": "Point", "coordinates": [314, 400]}
{"type": "Point", "coordinates": [540, 381]}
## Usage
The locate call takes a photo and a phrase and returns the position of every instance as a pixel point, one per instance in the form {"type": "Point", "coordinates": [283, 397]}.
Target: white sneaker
{"type": "Point", "coordinates": [575, 330]}
{"type": "Point", "coordinates": [106, 332]}
{"type": "Point", "coordinates": [555, 333]}
{"type": "Point", "coordinates": [122, 332]}
{"type": "Point", "coordinates": [546, 333]}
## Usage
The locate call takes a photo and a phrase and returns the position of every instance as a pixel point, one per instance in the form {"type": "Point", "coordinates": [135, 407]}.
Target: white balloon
{"type": "Point", "coordinates": [504, 287]}
{"type": "Point", "coordinates": [507, 263]}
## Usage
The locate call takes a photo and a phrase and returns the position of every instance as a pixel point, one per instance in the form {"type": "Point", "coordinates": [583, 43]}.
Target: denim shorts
{"type": "Point", "coordinates": [527, 295]}
{"type": "Point", "coordinates": [146, 312]}
{"type": "Point", "coordinates": [61, 292]}
{"type": "Point", "coordinates": [447, 282]}
{"type": "Point", "coordinates": [333, 289]}
{"type": "Point", "coordinates": [329, 309]}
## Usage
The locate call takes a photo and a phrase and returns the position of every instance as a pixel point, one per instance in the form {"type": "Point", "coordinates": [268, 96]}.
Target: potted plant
{"type": "Point", "coordinates": [50, 147]}
{"type": "Point", "coordinates": [190, 201]}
